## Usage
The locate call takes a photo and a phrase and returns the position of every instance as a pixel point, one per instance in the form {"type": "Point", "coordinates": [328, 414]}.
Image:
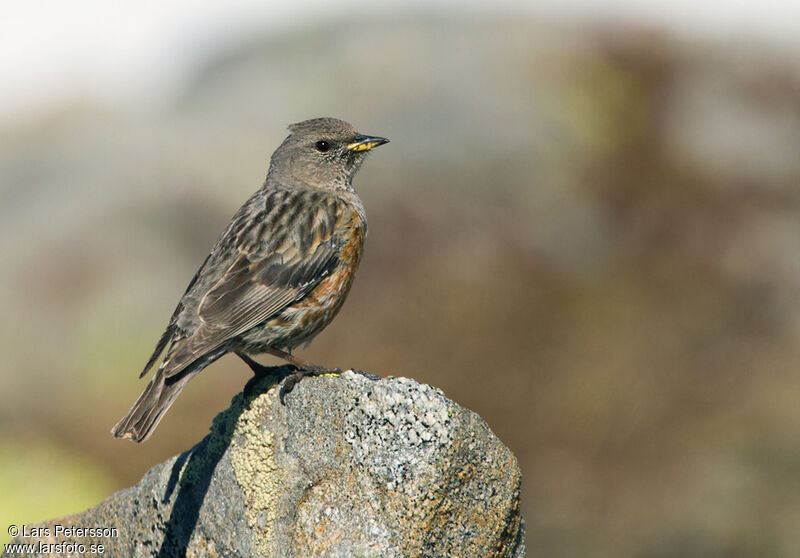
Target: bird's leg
{"type": "Point", "coordinates": [304, 368]}
{"type": "Point", "coordinates": [297, 361]}
{"type": "Point", "coordinates": [261, 370]}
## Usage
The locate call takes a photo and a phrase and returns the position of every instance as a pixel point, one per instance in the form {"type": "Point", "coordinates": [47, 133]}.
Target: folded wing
{"type": "Point", "coordinates": [278, 262]}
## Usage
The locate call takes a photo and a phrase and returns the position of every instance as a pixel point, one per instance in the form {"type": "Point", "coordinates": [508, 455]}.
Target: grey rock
{"type": "Point", "coordinates": [350, 466]}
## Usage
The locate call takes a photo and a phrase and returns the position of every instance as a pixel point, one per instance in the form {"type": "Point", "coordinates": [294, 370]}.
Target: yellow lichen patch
{"type": "Point", "coordinates": [252, 457]}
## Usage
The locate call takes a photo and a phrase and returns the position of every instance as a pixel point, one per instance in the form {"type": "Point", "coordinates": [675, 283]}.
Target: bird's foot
{"type": "Point", "coordinates": [276, 372]}
{"type": "Point", "coordinates": [261, 371]}
{"type": "Point", "coordinates": [301, 372]}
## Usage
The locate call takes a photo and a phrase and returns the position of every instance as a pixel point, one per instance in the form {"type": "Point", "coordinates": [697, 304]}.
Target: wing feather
{"type": "Point", "coordinates": [268, 274]}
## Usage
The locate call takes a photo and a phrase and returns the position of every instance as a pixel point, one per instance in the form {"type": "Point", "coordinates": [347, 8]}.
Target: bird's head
{"type": "Point", "coordinates": [323, 153]}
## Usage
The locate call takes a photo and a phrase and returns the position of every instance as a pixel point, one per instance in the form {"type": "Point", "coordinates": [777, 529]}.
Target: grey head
{"type": "Point", "coordinates": [322, 153]}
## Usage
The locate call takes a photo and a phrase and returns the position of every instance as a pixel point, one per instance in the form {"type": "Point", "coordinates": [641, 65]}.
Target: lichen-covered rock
{"type": "Point", "coordinates": [350, 466]}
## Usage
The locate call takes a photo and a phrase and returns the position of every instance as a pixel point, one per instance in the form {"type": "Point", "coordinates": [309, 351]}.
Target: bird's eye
{"type": "Point", "coordinates": [322, 146]}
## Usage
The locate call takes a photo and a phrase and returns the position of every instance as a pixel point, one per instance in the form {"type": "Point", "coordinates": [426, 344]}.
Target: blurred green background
{"type": "Point", "coordinates": [588, 233]}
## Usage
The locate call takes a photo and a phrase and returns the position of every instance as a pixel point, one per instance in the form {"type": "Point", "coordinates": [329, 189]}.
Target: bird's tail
{"type": "Point", "coordinates": [147, 412]}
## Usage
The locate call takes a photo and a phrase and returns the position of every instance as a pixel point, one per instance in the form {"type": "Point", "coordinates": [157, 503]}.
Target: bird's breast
{"type": "Point", "coordinates": [299, 322]}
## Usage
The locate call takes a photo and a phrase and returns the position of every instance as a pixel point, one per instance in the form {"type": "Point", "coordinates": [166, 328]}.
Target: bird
{"type": "Point", "coordinates": [277, 275]}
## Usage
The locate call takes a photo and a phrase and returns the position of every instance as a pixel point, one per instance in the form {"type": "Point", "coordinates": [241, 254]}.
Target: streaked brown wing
{"type": "Point", "coordinates": [269, 273]}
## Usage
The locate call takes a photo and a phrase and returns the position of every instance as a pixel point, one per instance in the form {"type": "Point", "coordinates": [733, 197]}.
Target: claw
{"type": "Point", "coordinates": [367, 375]}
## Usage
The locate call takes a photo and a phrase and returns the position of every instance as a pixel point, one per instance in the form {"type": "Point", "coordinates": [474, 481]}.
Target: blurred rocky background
{"type": "Point", "coordinates": [588, 233]}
